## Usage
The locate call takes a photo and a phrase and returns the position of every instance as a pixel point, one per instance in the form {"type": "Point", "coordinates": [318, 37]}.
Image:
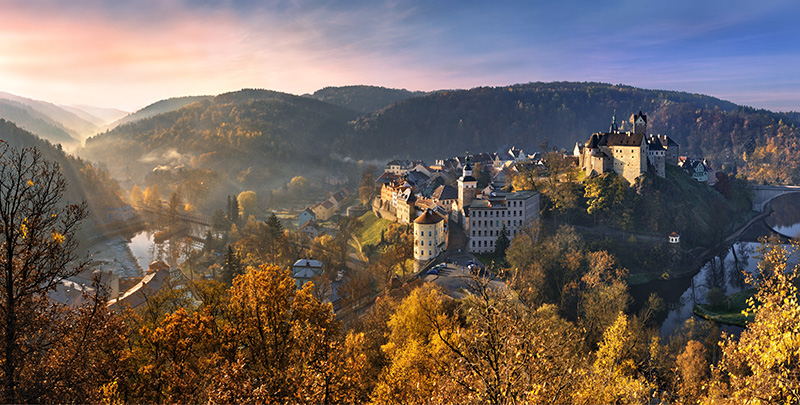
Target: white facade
{"type": "Point", "coordinates": [430, 236]}
{"type": "Point", "coordinates": [488, 216]}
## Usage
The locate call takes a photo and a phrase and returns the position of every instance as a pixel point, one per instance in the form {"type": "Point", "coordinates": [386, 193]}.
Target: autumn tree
{"type": "Point", "coordinates": [37, 253]}
{"type": "Point", "coordinates": [505, 353]}
{"type": "Point", "coordinates": [762, 366]}
{"type": "Point", "coordinates": [413, 350]}
{"type": "Point", "coordinates": [289, 347]}
{"type": "Point", "coordinates": [298, 186]}
{"type": "Point", "coordinates": [366, 190]}
{"type": "Point", "coordinates": [248, 203]}
{"type": "Point", "coordinates": [614, 377]}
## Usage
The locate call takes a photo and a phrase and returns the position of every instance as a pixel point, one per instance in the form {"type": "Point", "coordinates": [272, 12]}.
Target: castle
{"type": "Point", "coordinates": [627, 153]}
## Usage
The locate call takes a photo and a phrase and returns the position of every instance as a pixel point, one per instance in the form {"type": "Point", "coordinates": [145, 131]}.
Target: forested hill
{"type": "Point", "coordinates": [158, 107]}
{"type": "Point", "coordinates": [273, 136]}
{"type": "Point", "coordinates": [526, 115]}
{"type": "Point", "coordinates": [364, 99]}
{"type": "Point", "coordinates": [249, 139]}
{"type": "Point", "coordinates": [84, 182]}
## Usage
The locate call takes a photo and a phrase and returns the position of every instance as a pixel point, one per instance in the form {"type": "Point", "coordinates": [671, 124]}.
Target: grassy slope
{"type": "Point", "coordinates": [733, 316]}
{"type": "Point", "coordinates": [371, 230]}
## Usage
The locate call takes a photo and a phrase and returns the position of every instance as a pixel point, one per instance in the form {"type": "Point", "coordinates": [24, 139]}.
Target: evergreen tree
{"type": "Point", "coordinates": [274, 226]}
{"type": "Point", "coordinates": [233, 209]}
{"type": "Point", "coordinates": [502, 243]}
{"type": "Point", "coordinates": [233, 266]}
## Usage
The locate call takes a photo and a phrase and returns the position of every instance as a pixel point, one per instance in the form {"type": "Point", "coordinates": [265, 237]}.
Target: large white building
{"type": "Point", "coordinates": [430, 236]}
{"type": "Point", "coordinates": [489, 215]}
{"type": "Point", "coordinates": [484, 217]}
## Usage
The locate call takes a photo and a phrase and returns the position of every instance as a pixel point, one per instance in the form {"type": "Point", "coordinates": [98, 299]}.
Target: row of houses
{"type": "Point", "coordinates": [321, 211]}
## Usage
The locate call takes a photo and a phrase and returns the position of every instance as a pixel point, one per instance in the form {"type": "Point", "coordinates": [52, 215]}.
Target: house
{"type": "Point", "coordinates": [399, 167]}
{"type": "Point", "coordinates": [695, 168]}
{"type": "Point", "coordinates": [311, 229]}
{"type": "Point", "coordinates": [324, 210]}
{"type": "Point", "coordinates": [158, 275]}
{"type": "Point", "coordinates": [337, 198]}
{"type": "Point", "coordinates": [305, 216]}
{"type": "Point", "coordinates": [337, 180]}
{"type": "Point", "coordinates": [305, 270]}
{"type": "Point", "coordinates": [445, 196]}
{"type": "Point", "coordinates": [404, 206]}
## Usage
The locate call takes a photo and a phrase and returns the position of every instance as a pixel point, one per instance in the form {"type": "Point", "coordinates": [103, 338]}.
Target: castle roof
{"type": "Point", "coordinates": [619, 139]}
{"type": "Point", "coordinates": [644, 117]}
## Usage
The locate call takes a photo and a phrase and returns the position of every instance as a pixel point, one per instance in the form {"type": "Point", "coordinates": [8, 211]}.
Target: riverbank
{"type": "Point", "coordinates": [730, 312]}
{"type": "Point", "coordinates": [756, 222]}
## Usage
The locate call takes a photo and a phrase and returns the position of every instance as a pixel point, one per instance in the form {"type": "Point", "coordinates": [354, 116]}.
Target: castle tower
{"type": "Point", "coordinates": [640, 123]}
{"type": "Point", "coordinates": [614, 128]}
{"type": "Point", "coordinates": [467, 187]}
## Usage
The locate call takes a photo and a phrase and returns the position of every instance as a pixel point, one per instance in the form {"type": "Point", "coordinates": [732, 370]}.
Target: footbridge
{"type": "Point", "coordinates": [764, 194]}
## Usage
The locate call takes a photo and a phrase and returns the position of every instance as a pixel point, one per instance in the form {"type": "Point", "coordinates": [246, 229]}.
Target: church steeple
{"type": "Point", "coordinates": [467, 186]}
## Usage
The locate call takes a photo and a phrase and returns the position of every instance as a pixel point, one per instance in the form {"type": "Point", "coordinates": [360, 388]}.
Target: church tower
{"type": "Point", "coordinates": [640, 123]}
{"type": "Point", "coordinates": [467, 186]}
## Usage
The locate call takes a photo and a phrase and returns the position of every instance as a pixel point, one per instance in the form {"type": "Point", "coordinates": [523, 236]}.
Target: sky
{"type": "Point", "coordinates": [127, 54]}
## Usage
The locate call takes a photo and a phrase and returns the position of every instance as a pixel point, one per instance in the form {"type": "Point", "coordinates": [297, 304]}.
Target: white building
{"type": "Point", "coordinates": [489, 215]}
{"type": "Point", "coordinates": [430, 236]}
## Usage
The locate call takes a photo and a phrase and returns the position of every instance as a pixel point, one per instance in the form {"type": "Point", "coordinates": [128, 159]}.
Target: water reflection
{"type": "Point", "coordinates": [172, 251]}
{"type": "Point", "coordinates": [785, 217]}
{"type": "Point", "coordinates": [724, 272]}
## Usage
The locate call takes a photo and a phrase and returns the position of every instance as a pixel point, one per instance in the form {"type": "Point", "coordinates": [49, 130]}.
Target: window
{"type": "Point", "coordinates": [430, 243]}
{"type": "Point", "coordinates": [430, 253]}
{"type": "Point", "coordinates": [429, 233]}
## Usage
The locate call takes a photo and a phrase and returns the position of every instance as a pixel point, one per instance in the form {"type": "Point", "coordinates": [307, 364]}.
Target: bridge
{"type": "Point", "coordinates": [764, 194]}
{"type": "Point", "coordinates": [184, 216]}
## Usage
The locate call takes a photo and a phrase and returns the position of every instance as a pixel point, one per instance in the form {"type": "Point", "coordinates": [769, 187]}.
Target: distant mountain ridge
{"type": "Point", "coordinates": [159, 107]}
{"type": "Point", "coordinates": [281, 126]}
{"type": "Point", "coordinates": [364, 99]}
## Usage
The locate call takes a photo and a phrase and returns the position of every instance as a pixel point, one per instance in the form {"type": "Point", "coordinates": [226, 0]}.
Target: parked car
{"type": "Point", "coordinates": [434, 271]}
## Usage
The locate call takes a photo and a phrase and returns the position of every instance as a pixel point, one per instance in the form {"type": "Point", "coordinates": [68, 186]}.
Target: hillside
{"type": "Point", "coordinates": [33, 121]}
{"type": "Point", "coordinates": [84, 182]}
{"type": "Point", "coordinates": [364, 99]}
{"type": "Point", "coordinates": [98, 116]}
{"type": "Point", "coordinates": [493, 119]}
{"type": "Point", "coordinates": [156, 108]}
{"type": "Point", "coordinates": [250, 139]}
{"type": "Point", "coordinates": [76, 126]}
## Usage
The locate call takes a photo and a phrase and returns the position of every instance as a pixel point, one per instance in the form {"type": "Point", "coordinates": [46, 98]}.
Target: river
{"type": "Point", "coordinates": [723, 271]}
{"type": "Point", "coordinates": [145, 250]}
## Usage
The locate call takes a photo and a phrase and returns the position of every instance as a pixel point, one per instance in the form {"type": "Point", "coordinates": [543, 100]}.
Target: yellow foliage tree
{"type": "Point", "coordinates": [763, 366]}
{"type": "Point", "coordinates": [613, 378]}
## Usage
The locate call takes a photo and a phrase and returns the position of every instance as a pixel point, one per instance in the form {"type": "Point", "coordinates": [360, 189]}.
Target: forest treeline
{"type": "Point", "coordinates": [260, 138]}
{"type": "Point", "coordinates": [558, 329]}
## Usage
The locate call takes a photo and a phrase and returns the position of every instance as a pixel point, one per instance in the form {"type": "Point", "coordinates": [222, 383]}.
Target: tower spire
{"type": "Point", "coordinates": [614, 127]}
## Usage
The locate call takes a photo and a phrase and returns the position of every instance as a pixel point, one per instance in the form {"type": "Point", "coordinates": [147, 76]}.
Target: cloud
{"type": "Point", "coordinates": [128, 54]}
